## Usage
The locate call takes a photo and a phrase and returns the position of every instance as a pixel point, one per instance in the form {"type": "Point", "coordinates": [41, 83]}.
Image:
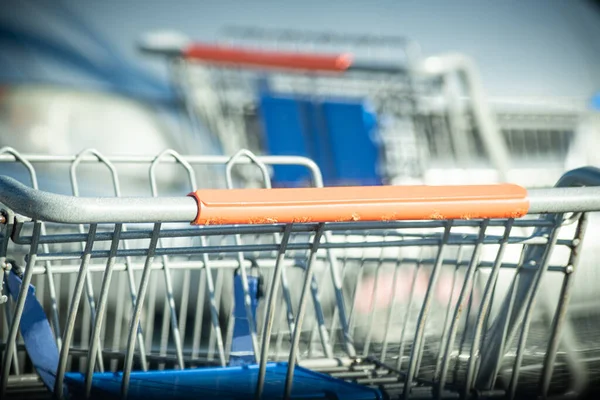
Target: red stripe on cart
{"type": "Point", "coordinates": [267, 59]}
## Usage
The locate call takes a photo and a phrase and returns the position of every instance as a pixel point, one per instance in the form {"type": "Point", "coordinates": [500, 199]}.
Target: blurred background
{"type": "Point", "coordinates": [480, 91]}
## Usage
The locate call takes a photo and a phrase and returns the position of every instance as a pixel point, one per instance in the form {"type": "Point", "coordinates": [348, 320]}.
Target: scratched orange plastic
{"type": "Point", "coordinates": [268, 59]}
{"type": "Point", "coordinates": [379, 203]}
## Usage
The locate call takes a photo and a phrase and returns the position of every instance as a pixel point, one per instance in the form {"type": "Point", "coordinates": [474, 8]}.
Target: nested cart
{"type": "Point", "coordinates": [273, 293]}
{"type": "Point", "coordinates": [367, 109]}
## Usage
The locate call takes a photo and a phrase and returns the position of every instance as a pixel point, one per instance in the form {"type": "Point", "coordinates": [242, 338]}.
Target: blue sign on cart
{"type": "Point", "coordinates": [338, 134]}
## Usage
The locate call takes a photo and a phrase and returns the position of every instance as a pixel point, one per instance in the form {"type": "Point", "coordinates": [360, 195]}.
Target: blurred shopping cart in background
{"type": "Point", "coordinates": [310, 253]}
{"type": "Point", "coordinates": [379, 102]}
{"type": "Point", "coordinates": [370, 109]}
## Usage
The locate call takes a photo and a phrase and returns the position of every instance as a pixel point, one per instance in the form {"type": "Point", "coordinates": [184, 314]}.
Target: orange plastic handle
{"type": "Point", "coordinates": [379, 203]}
{"type": "Point", "coordinates": [267, 59]}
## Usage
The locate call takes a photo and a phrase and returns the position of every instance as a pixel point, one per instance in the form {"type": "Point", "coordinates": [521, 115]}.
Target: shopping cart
{"type": "Point", "coordinates": [301, 93]}
{"type": "Point", "coordinates": [434, 122]}
{"type": "Point", "coordinates": [298, 247]}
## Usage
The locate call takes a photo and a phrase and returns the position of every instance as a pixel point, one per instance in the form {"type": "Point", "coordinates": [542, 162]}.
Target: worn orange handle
{"type": "Point", "coordinates": [362, 203]}
{"type": "Point", "coordinates": [267, 59]}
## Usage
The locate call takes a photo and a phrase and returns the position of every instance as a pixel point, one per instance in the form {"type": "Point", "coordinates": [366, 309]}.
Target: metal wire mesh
{"type": "Point", "coordinates": [398, 304]}
{"type": "Point", "coordinates": [428, 123]}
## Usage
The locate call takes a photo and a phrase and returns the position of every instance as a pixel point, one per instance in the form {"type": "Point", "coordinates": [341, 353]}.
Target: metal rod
{"type": "Point", "coordinates": [20, 305]}
{"type": "Point", "coordinates": [264, 354]}
{"type": "Point", "coordinates": [51, 207]}
{"type": "Point", "coordinates": [485, 308]}
{"type": "Point", "coordinates": [417, 349]}
{"type": "Point", "coordinates": [465, 291]}
{"type": "Point", "coordinates": [301, 310]}
{"type": "Point", "coordinates": [533, 291]}
{"type": "Point", "coordinates": [71, 319]}
{"type": "Point", "coordinates": [133, 330]}
{"type": "Point", "coordinates": [556, 334]}
{"type": "Point", "coordinates": [564, 200]}
{"type": "Point", "coordinates": [95, 342]}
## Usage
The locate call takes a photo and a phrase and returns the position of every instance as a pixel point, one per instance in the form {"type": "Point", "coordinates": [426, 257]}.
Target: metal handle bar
{"type": "Point", "coordinates": [250, 206]}
{"type": "Point", "coordinates": [50, 207]}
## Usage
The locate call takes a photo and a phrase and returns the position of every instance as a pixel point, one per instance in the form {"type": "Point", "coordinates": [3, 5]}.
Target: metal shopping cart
{"type": "Point", "coordinates": [433, 120]}
{"type": "Point", "coordinates": [328, 96]}
{"type": "Point", "coordinates": [325, 326]}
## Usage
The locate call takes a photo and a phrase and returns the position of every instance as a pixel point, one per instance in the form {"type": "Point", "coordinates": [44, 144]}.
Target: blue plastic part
{"type": "Point", "coordinates": [36, 332]}
{"type": "Point", "coordinates": [338, 134]}
{"type": "Point", "coordinates": [242, 351]}
{"type": "Point", "coordinates": [230, 383]}
{"type": "Point", "coordinates": [595, 103]}
{"type": "Point", "coordinates": [284, 120]}
{"type": "Point", "coordinates": [352, 141]}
